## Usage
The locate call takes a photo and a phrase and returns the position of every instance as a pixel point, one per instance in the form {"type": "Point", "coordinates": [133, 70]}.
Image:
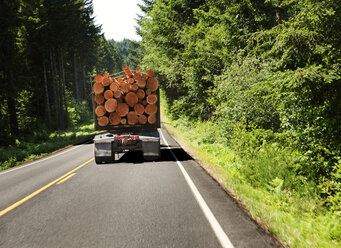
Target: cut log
{"type": "Point", "coordinates": [141, 83]}
{"type": "Point", "coordinates": [137, 76]}
{"type": "Point", "coordinates": [139, 109]}
{"type": "Point", "coordinates": [127, 71]}
{"type": "Point", "coordinates": [152, 99]}
{"type": "Point", "coordinates": [100, 110]}
{"type": "Point", "coordinates": [145, 76]}
{"type": "Point", "coordinates": [113, 87]}
{"type": "Point", "coordinates": [131, 80]}
{"type": "Point", "coordinates": [125, 87]}
{"type": "Point", "coordinates": [98, 88]}
{"type": "Point", "coordinates": [152, 119]}
{"type": "Point", "coordinates": [151, 109]}
{"type": "Point", "coordinates": [106, 81]}
{"type": "Point", "coordinates": [150, 73]}
{"type": "Point", "coordinates": [134, 87]}
{"type": "Point", "coordinates": [117, 94]}
{"type": "Point", "coordinates": [99, 99]}
{"type": "Point", "coordinates": [132, 118]}
{"type": "Point", "coordinates": [121, 84]}
{"type": "Point", "coordinates": [131, 99]}
{"type": "Point", "coordinates": [98, 79]}
{"type": "Point", "coordinates": [108, 94]}
{"type": "Point", "coordinates": [123, 121]}
{"type": "Point", "coordinates": [142, 119]}
{"type": "Point", "coordinates": [140, 94]}
{"type": "Point", "coordinates": [103, 121]}
{"type": "Point", "coordinates": [110, 105]}
{"type": "Point", "coordinates": [122, 109]}
{"type": "Point", "coordinates": [114, 118]}
{"type": "Point", "coordinates": [152, 84]}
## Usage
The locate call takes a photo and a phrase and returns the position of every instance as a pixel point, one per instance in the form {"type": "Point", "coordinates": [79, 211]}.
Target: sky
{"type": "Point", "coordinates": [117, 18]}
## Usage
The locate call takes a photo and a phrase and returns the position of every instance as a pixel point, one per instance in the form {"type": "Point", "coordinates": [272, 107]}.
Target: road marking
{"type": "Point", "coordinates": [218, 230]}
{"type": "Point", "coordinates": [66, 178]}
{"type": "Point", "coordinates": [38, 161]}
{"type": "Point", "coordinates": [10, 208]}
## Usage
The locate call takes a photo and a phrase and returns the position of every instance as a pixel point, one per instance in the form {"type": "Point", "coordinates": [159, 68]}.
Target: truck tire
{"type": "Point", "coordinates": [101, 160]}
{"type": "Point", "coordinates": [153, 158]}
{"type": "Point", "coordinates": [98, 160]}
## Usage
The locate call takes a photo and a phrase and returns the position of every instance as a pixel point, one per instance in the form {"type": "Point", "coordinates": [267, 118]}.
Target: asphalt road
{"type": "Point", "coordinates": [66, 200]}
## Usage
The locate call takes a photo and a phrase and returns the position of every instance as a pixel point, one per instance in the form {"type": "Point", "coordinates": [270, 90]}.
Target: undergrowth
{"type": "Point", "coordinates": [41, 145]}
{"type": "Point", "coordinates": [263, 174]}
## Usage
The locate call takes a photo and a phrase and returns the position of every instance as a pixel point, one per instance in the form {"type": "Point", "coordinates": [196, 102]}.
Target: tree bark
{"type": "Point", "coordinates": [55, 89]}
{"type": "Point", "coordinates": [10, 51]}
{"type": "Point", "coordinates": [12, 110]}
{"type": "Point", "coordinates": [74, 65]}
{"type": "Point", "coordinates": [61, 104]}
{"type": "Point", "coordinates": [47, 99]}
{"type": "Point", "coordinates": [84, 83]}
{"type": "Point", "coordinates": [66, 124]}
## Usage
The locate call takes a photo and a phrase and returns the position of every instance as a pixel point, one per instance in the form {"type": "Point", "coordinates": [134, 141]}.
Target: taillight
{"type": "Point", "coordinates": [132, 137]}
{"type": "Point", "coordinates": [120, 137]}
{"type": "Point", "coordinates": [116, 138]}
{"type": "Point", "coordinates": [136, 137]}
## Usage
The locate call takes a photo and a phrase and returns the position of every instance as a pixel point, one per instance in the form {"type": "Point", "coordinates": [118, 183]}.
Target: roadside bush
{"type": "Point", "coordinates": [79, 112]}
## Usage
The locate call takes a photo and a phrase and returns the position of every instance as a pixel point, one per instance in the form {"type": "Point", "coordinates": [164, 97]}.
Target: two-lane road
{"type": "Point", "coordinates": [66, 200]}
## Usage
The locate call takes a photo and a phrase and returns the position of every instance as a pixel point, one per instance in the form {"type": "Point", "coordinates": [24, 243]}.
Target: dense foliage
{"type": "Point", "coordinates": [49, 50]}
{"type": "Point", "coordinates": [130, 51]}
{"type": "Point", "coordinates": [261, 72]}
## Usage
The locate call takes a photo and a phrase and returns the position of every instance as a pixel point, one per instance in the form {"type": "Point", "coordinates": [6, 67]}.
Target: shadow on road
{"type": "Point", "coordinates": [166, 155]}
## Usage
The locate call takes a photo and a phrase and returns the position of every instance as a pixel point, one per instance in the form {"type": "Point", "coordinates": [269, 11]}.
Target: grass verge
{"type": "Point", "coordinates": [286, 205]}
{"type": "Point", "coordinates": [43, 145]}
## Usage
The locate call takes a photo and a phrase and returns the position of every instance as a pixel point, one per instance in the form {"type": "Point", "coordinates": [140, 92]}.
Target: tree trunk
{"type": "Point", "coordinates": [10, 95]}
{"type": "Point", "coordinates": [12, 111]}
{"type": "Point", "coordinates": [64, 91]}
{"type": "Point", "coordinates": [61, 100]}
{"type": "Point", "coordinates": [85, 93]}
{"type": "Point", "coordinates": [55, 89]}
{"type": "Point", "coordinates": [47, 99]}
{"type": "Point", "coordinates": [74, 65]}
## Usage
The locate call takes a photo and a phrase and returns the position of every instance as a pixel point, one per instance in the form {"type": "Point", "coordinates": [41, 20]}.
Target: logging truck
{"type": "Point", "coordinates": [126, 107]}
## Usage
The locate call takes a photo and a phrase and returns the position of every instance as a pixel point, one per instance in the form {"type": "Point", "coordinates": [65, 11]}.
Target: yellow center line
{"type": "Point", "coordinates": [66, 178]}
{"type": "Point", "coordinates": [10, 208]}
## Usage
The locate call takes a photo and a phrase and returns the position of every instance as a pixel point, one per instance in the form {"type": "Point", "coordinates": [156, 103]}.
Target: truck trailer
{"type": "Point", "coordinates": [129, 122]}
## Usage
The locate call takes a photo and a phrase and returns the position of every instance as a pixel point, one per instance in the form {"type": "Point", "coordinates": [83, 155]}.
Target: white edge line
{"type": "Point", "coordinates": [38, 161]}
{"type": "Point", "coordinates": [218, 230]}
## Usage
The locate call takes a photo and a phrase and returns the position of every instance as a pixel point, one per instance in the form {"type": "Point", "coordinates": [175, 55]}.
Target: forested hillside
{"type": "Point", "coordinates": [130, 52]}
{"type": "Point", "coordinates": [49, 49]}
{"type": "Point", "coordinates": [261, 77]}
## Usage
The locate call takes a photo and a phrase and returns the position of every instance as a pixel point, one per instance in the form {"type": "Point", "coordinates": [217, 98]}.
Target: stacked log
{"type": "Point", "coordinates": [128, 100]}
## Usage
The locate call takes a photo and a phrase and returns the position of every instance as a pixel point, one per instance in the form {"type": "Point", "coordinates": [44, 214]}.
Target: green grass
{"type": "Point", "coordinates": [264, 179]}
{"type": "Point", "coordinates": [41, 145]}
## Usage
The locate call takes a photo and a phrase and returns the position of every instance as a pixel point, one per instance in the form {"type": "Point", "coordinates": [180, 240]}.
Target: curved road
{"type": "Point", "coordinates": [66, 200]}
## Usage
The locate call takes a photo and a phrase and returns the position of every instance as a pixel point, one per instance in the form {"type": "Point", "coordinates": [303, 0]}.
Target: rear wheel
{"type": "Point", "coordinates": [151, 158]}
{"type": "Point", "coordinates": [101, 160]}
